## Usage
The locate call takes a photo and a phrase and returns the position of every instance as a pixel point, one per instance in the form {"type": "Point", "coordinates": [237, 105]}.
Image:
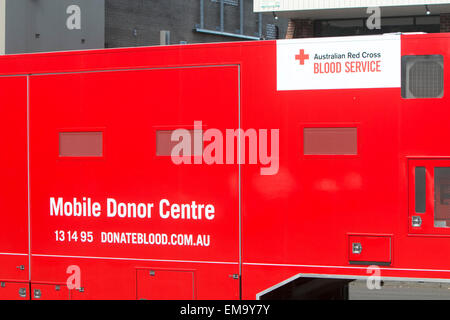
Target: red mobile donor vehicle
{"type": "Point", "coordinates": [92, 205]}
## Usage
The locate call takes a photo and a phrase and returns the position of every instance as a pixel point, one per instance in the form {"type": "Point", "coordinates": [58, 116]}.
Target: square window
{"type": "Point", "coordinates": [422, 76]}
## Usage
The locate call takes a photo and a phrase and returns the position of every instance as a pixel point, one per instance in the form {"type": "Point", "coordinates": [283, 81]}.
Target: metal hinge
{"type": "Point", "coordinates": [37, 294]}
{"type": "Point", "coordinates": [23, 292]}
{"type": "Point", "coordinates": [234, 276]}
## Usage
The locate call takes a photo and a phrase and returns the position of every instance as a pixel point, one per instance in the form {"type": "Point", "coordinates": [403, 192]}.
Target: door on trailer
{"type": "Point", "coordinates": [161, 284]}
{"type": "Point", "coordinates": [429, 204]}
{"type": "Point", "coordinates": [102, 141]}
{"type": "Point", "coordinates": [14, 269]}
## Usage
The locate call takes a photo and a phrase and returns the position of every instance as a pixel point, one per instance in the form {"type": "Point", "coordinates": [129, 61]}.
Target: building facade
{"type": "Point", "coordinates": [131, 23]}
{"type": "Point", "coordinates": [356, 17]}
{"type": "Point", "coordinates": [49, 25]}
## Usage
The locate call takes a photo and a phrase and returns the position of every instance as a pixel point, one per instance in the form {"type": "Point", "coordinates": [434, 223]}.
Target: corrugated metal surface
{"type": "Point", "coordinates": [282, 5]}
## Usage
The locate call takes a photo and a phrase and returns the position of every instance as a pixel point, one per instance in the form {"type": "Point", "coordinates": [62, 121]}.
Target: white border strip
{"type": "Point", "coordinates": [120, 70]}
{"type": "Point", "coordinates": [13, 254]}
{"type": "Point", "coordinates": [28, 178]}
{"type": "Point", "coordinates": [340, 267]}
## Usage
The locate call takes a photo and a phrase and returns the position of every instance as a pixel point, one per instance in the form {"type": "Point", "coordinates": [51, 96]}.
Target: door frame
{"type": "Point", "coordinates": [426, 218]}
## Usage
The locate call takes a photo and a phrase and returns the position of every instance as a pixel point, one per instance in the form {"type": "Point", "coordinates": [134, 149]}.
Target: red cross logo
{"type": "Point", "coordinates": [302, 57]}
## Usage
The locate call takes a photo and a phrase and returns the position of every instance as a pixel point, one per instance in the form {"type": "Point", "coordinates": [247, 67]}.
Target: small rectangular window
{"type": "Point", "coordinates": [164, 143]}
{"type": "Point", "coordinates": [81, 144]}
{"type": "Point", "coordinates": [422, 76]}
{"type": "Point", "coordinates": [330, 141]}
{"type": "Point", "coordinates": [419, 184]}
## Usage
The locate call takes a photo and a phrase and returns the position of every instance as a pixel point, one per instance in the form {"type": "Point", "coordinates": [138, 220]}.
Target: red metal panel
{"type": "Point", "coordinates": [161, 284]}
{"type": "Point", "coordinates": [312, 203]}
{"type": "Point", "coordinates": [14, 290]}
{"type": "Point", "coordinates": [369, 249]}
{"type": "Point", "coordinates": [116, 278]}
{"type": "Point", "coordinates": [423, 133]}
{"type": "Point", "coordinates": [131, 106]}
{"type": "Point", "coordinates": [13, 177]}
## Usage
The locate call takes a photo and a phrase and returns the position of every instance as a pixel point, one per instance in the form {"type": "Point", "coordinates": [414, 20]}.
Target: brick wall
{"type": "Point", "coordinates": [131, 23]}
{"type": "Point", "coordinates": [290, 32]}
{"type": "Point", "coordinates": [445, 22]}
{"type": "Point", "coordinates": [298, 28]}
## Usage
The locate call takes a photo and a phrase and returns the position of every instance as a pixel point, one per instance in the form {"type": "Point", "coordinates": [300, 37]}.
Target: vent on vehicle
{"type": "Point", "coordinates": [422, 76]}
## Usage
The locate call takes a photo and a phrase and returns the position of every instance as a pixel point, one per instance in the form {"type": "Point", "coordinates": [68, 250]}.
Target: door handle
{"type": "Point", "coordinates": [416, 221]}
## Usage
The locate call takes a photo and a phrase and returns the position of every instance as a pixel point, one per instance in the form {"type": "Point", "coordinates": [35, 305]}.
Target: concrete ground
{"type": "Point", "coordinates": [395, 290]}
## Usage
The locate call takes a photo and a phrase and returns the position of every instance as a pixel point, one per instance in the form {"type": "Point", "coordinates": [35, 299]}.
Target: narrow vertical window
{"type": "Point", "coordinates": [420, 189]}
{"type": "Point", "coordinates": [442, 197]}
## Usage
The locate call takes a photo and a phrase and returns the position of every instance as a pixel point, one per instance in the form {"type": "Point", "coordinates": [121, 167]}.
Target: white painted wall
{"type": "Point", "coordinates": [285, 5]}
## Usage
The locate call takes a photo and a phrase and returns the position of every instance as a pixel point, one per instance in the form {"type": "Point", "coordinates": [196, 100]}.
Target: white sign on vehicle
{"type": "Point", "coordinates": [339, 63]}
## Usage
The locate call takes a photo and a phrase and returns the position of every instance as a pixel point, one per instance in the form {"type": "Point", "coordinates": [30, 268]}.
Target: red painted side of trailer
{"type": "Point", "coordinates": [83, 146]}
